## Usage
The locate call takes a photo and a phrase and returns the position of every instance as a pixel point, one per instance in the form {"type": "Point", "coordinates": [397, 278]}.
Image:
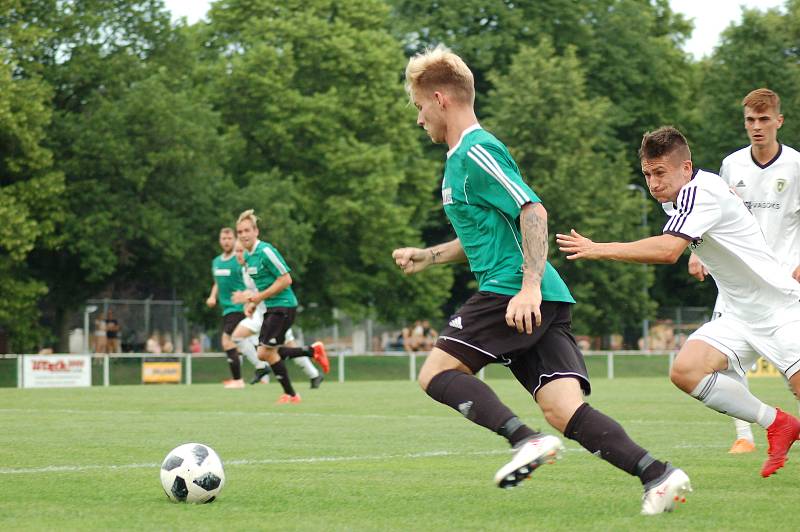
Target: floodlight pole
{"type": "Point", "coordinates": [645, 321]}
{"type": "Point", "coordinates": [88, 310]}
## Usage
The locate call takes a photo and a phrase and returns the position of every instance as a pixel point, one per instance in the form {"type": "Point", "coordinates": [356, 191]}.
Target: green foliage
{"type": "Point", "coordinates": [325, 121]}
{"type": "Point", "coordinates": [560, 138]}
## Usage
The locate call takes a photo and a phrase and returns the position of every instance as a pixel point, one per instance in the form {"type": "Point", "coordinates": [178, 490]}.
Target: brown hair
{"type": "Point", "coordinates": [762, 99]}
{"type": "Point", "coordinates": [664, 141]}
{"type": "Point", "coordinates": [438, 68]}
{"type": "Point", "coordinates": [227, 230]}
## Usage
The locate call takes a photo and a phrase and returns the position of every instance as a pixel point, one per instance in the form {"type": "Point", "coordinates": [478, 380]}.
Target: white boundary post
{"type": "Point", "coordinates": [20, 371]}
{"type": "Point", "coordinates": [188, 357]}
{"type": "Point", "coordinates": [671, 360]}
{"type": "Point", "coordinates": [341, 365]}
{"type": "Point", "coordinates": [106, 364]}
{"type": "Point", "coordinates": [412, 366]}
{"type": "Point", "coordinates": [610, 365]}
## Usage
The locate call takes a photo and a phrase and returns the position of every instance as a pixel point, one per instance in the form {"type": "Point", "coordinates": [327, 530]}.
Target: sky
{"type": "Point", "coordinates": [710, 17]}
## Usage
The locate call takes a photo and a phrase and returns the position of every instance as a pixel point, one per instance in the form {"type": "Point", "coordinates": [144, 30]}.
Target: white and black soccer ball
{"type": "Point", "coordinates": [192, 472]}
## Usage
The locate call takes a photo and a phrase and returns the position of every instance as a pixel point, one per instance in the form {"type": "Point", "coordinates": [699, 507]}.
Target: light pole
{"type": "Point", "coordinates": [645, 322]}
{"type": "Point", "coordinates": [88, 310]}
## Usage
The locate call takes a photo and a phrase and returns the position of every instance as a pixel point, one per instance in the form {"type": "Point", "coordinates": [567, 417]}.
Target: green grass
{"type": "Point", "coordinates": [364, 456]}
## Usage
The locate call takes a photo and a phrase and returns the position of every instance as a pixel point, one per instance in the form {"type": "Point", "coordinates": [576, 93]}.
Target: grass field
{"type": "Point", "coordinates": [364, 456]}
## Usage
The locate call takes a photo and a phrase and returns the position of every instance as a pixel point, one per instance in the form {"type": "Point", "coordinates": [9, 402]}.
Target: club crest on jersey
{"type": "Point", "coordinates": [447, 196]}
{"type": "Point", "coordinates": [780, 185]}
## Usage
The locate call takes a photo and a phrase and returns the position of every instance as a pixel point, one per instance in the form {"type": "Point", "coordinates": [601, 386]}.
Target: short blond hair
{"type": "Point", "coordinates": [248, 216]}
{"type": "Point", "coordinates": [439, 68]}
{"type": "Point", "coordinates": [761, 100]}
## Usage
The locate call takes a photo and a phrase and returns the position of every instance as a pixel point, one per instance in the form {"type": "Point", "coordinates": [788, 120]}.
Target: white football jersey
{"type": "Point", "coordinates": [772, 193]}
{"type": "Point", "coordinates": [729, 241]}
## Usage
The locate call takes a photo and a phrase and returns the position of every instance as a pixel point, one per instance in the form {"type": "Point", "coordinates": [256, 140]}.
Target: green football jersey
{"type": "Point", "coordinates": [264, 265]}
{"type": "Point", "coordinates": [483, 194]}
{"type": "Point", "coordinates": [228, 276]}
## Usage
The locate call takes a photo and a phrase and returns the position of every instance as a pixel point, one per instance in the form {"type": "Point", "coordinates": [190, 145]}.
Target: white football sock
{"type": "Point", "coordinates": [307, 366]}
{"type": "Point", "coordinates": [247, 348]}
{"type": "Point", "coordinates": [729, 396]}
{"type": "Point", "coordinates": [743, 430]}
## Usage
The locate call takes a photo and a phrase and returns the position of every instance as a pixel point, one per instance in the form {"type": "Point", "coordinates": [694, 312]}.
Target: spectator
{"type": "Point", "coordinates": [99, 334]}
{"type": "Point", "coordinates": [112, 333]}
{"type": "Point", "coordinates": [429, 335]}
{"type": "Point", "coordinates": [153, 345]}
{"type": "Point", "coordinates": [196, 346]}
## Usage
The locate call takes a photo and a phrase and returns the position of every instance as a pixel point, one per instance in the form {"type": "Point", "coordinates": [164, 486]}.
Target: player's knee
{"type": "Point", "coordinates": [684, 376]}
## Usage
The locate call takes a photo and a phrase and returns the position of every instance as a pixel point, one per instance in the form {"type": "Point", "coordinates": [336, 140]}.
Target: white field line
{"type": "Point", "coordinates": [308, 460]}
{"type": "Point", "coordinates": [94, 413]}
{"type": "Point", "coordinates": [209, 413]}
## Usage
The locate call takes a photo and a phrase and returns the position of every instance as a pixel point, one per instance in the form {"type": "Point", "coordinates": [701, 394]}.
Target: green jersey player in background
{"type": "Point", "coordinates": [227, 275]}
{"type": "Point", "coordinates": [273, 280]}
{"type": "Point", "coordinates": [521, 314]}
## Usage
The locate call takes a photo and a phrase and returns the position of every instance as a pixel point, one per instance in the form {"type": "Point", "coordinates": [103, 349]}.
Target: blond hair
{"type": "Point", "coordinates": [761, 100]}
{"type": "Point", "coordinates": [439, 68]}
{"type": "Point", "coordinates": [250, 216]}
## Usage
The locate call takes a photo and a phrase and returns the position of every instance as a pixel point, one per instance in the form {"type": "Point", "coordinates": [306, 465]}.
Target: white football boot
{"type": "Point", "coordinates": [528, 456]}
{"type": "Point", "coordinates": [664, 493]}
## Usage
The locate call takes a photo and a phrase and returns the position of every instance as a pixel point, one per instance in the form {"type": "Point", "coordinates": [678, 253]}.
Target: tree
{"type": "Point", "coordinates": [560, 138]}
{"type": "Point", "coordinates": [141, 153]}
{"type": "Point", "coordinates": [325, 121]}
{"type": "Point", "coordinates": [30, 188]}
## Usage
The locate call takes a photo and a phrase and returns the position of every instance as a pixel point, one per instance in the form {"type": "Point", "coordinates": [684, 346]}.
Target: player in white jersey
{"type": "Point", "coordinates": [763, 315]}
{"type": "Point", "coordinates": [766, 175]}
{"type": "Point", "coordinates": [246, 333]}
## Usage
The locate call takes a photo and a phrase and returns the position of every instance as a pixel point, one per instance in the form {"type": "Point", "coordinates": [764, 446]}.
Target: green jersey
{"type": "Point", "coordinates": [228, 276]}
{"type": "Point", "coordinates": [483, 194]}
{"type": "Point", "coordinates": [264, 265]}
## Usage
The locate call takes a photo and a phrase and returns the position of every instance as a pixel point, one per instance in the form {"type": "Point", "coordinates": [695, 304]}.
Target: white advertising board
{"type": "Point", "coordinates": [56, 371]}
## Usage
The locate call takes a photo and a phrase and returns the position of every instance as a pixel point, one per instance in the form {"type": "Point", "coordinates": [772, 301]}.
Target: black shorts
{"type": "Point", "coordinates": [277, 321]}
{"type": "Point", "coordinates": [230, 321]}
{"type": "Point", "coordinates": [478, 335]}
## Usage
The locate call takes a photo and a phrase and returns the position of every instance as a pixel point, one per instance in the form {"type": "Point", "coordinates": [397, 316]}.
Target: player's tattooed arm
{"type": "Point", "coordinates": [533, 226]}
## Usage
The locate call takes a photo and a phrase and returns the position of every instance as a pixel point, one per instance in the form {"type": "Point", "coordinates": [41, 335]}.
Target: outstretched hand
{"type": "Point", "coordinates": [575, 245]}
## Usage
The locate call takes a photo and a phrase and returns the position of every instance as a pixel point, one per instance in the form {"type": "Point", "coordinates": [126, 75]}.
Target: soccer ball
{"type": "Point", "coordinates": [192, 472]}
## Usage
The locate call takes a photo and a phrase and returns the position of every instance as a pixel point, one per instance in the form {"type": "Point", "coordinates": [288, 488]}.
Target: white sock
{"type": "Point", "coordinates": [247, 348]}
{"type": "Point", "coordinates": [743, 430]}
{"type": "Point", "coordinates": [729, 396]}
{"type": "Point", "coordinates": [307, 366]}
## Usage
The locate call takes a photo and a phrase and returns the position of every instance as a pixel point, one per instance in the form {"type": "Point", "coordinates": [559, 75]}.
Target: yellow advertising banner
{"type": "Point", "coordinates": [762, 368]}
{"type": "Point", "coordinates": [161, 372]}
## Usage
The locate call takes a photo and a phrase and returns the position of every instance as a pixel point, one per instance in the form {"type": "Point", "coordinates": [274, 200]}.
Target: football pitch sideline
{"type": "Point", "coordinates": [366, 456]}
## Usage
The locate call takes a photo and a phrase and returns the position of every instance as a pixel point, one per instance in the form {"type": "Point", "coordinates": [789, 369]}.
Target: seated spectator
{"type": "Point", "coordinates": [153, 345]}
{"type": "Point", "coordinates": [429, 335]}
{"type": "Point", "coordinates": [196, 346]}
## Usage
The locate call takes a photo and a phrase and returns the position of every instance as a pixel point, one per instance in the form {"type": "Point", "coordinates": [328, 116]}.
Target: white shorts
{"type": "Point", "coordinates": [743, 343]}
{"type": "Point", "coordinates": [253, 323]}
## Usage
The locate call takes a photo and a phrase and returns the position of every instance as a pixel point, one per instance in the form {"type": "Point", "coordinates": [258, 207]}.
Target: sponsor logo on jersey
{"type": "Point", "coordinates": [740, 184]}
{"type": "Point", "coordinates": [780, 185]}
{"type": "Point", "coordinates": [252, 270]}
{"type": "Point", "coordinates": [222, 272]}
{"type": "Point", "coordinates": [762, 205]}
{"type": "Point", "coordinates": [456, 323]}
{"type": "Point", "coordinates": [447, 196]}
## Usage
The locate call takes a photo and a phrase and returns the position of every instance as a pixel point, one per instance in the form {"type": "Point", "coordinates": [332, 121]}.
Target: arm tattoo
{"type": "Point", "coordinates": [534, 245]}
{"type": "Point", "coordinates": [434, 255]}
